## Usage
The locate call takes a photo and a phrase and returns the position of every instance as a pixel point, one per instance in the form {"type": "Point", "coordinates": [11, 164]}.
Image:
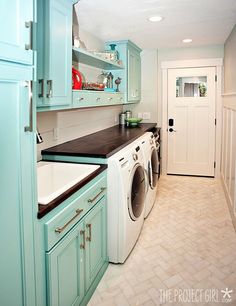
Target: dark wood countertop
{"type": "Point", "coordinates": [44, 209]}
{"type": "Point", "coordinates": [101, 144]}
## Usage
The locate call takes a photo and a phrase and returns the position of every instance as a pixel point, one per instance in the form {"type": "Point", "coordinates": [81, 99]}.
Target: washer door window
{"type": "Point", "coordinates": [153, 169]}
{"type": "Point", "coordinates": [137, 192]}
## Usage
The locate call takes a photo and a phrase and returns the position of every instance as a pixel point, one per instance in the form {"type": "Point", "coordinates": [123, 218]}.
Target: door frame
{"type": "Point", "coordinates": [197, 63]}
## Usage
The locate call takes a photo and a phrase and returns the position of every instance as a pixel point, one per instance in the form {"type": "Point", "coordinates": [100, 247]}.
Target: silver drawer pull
{"type": "Point", "coordinates": [61, 229]}
{"type": "Point", "coordinates": [98, 99]}
{"type": "Point", "coordinates": [89, 226]}
{"type": "Point", "coordinates": [49, 83]}
{"type": "Point", "coordinates": [82, 246]}
{"type": "Point", "coordinates": [80, 99]}
{"type": "Point", "coordinates": [41, 94]}
{"type": "Point", "coordinates": [29, 25]}
{"type": "Point", "coordinates": [109, 99]}
{"type": "Point", "coordinates": [29, 128]}
{"type": "Point", "coordinates": [93, 199]}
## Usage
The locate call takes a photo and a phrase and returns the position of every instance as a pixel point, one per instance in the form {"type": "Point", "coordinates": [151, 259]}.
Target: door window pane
{"type": "Point", "coordinates": [191, 86]}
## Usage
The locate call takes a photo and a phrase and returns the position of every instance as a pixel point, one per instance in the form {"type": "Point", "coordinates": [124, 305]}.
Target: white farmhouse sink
{"type": "Point", "coordinates": [55, 178]}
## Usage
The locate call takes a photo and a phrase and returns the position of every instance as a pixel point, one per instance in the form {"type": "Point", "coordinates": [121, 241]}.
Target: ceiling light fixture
{"type": "Point", "coordinates": [187, 40]}
{"type": "Point", "coordinates": [155, 18]}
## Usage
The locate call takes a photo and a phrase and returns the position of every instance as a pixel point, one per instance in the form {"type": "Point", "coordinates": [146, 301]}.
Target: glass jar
{"type": "Point", "coordinates": [102, 78]}
{"type": "Point", "coordinates": [114, 54]}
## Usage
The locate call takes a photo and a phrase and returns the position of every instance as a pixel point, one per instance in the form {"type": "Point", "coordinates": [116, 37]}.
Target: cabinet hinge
{"type": "Point", "coordinates": [214, 164]}
{"type": "Point", "coordinates": [215, 78]}
{"type": "Point", "coordinates": [215, 121]}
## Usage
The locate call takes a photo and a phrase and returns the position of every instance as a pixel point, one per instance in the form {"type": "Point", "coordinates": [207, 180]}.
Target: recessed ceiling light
{"type": "Point", "coordinates": [155, 18]}
{"type": "Point", "coordinates": [187, 40]}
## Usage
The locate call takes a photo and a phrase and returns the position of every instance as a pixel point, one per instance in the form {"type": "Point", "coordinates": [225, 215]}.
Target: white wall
{"type": "Point", "coordinates": [92, 43]}
{"type": "Point", "coordinates": [228, 164]}
{"type": "Point", "coordinates": [72, 124]}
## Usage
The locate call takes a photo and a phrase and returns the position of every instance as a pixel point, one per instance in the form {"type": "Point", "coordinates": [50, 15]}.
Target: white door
{"type": "Point", "coordinates": [191, 121]}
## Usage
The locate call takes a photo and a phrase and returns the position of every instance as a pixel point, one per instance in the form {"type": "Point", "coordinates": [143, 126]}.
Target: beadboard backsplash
{"type": "Point", "coordinates": [60, 126]}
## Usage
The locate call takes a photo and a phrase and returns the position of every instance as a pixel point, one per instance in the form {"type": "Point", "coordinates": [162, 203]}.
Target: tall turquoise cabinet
{"type": "Point", "coordinates": [17, 184]}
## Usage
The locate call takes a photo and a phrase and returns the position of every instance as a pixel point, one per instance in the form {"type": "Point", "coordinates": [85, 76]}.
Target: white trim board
{"type": "Point", "coordinates": [208, 62]}
{"type": "Point", "coordinates": [229, 202]}
{"type": "Point", "coordinates": [211, 62]}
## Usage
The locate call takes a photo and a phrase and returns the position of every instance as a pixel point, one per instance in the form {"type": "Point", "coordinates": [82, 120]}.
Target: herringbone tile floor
{"type": "Point", "coordinates": [187, 242]}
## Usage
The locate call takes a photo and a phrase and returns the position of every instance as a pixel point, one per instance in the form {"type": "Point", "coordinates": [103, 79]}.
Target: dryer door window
{"type": "Point", "coordinates": [153, 169]}
{"type": "Point", "coordinates": [137, 192]}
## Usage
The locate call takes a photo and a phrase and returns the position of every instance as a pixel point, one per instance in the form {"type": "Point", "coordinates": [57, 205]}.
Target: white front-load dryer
{"type": "Point", "coordinates": [151, 165]}
{"type": "Point", "coordinates": [125, 201]}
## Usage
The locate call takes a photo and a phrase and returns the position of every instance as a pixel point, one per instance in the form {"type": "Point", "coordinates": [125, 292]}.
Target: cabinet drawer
{"type": "Point", "coordinates": [62, 222]}
{"type": "Point", "coordinates": [83, 98]}
{"type": "Point", "coordinates": [119, 98]}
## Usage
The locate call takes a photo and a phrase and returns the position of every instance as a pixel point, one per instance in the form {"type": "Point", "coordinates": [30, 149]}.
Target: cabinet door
{"type": "Point", "coordinates": [65, 269]}
{"type": "Point", "coordinates": [17, 188]}
{"type": "Point", "coordinates": [54, 83]}
{"type": "Point", "coordinates": [15, 32]}
{"type": "Point", "coordinates": [134, 75]}
{"type": "Point", "coordinates": [96, 242]}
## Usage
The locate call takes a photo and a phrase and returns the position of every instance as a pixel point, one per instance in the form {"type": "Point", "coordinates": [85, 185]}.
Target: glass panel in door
{"type": "Point", "coordinates": [191, 86]}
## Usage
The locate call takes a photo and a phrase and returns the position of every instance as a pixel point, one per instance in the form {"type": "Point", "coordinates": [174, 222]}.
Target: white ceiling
{"type": "Point", "coordinates": [207, 22]}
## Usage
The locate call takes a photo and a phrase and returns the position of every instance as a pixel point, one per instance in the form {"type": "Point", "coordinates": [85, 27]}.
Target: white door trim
{"type": "Point", "coordinates": [211, 62]}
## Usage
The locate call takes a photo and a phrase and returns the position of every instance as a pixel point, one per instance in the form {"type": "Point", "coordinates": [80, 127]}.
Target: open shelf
{"type": "Point", "coordinates": [91, 59]}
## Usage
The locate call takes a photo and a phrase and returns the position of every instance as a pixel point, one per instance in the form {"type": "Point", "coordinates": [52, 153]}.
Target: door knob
{"type": "Point", "coordinates": [172, 130]}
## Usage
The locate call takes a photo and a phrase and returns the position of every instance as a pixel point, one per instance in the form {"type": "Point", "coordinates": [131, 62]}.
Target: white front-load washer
{"type": "Point", "coordinates": [151, 165]}
{"type": "Point", "coordinates": [125, 201]}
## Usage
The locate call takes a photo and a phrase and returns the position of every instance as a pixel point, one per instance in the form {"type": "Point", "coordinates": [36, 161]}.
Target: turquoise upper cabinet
{"type": "Point", "coordinates": [134, 75]}
{"type": "Point", "coordinates": [131, 75]}
{"type": "Point", "coordinates": [54, 34]}
{"type": "Point", "coordinates": [16, 31]}
{"type": "Point", "coordinates": [17, 186]}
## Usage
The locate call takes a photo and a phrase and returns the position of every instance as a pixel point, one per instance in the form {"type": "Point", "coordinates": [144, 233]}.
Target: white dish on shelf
{"type": "Point", "coordinates": [54, 178]}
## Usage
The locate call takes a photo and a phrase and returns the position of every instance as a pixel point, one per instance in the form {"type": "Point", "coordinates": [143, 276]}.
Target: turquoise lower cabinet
{"type": "Point", "coordinates": [65, 266]}
{"type": "Point", "coordinates": [74, 264]}
{"type": "Point", "coordinates": [73, 240]}
{"type": "Point", "coordinates": [16, 31]}
{"type": "Point", "coordinates": [17, 183]}
{"type": "Point", "coordinates": [95, 253]}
